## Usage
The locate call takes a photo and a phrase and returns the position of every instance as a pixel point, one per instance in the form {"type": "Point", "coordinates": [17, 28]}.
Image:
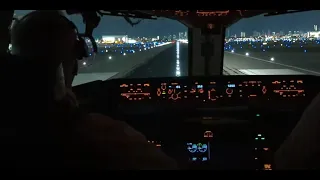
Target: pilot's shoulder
{"type": "Point", "coordinates": [100, 117]}
{"type": "Point", "coordinates": [105, 121]}
{"type": "Point", "coordinates": [306, 128]}
{"type": "Point", "coordinates": [135, 151]}
{"type": "Point", "coordinates": [311, 114]}
{"type": "Point", "coordinates": [301, 144]}
{"type": "Point", "coordinates": [117, 128]}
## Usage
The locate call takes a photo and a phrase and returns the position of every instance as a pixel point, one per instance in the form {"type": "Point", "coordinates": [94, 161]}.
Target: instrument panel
{"type": "Point", "coordinates": [136, 91]}
{"type": "Point", "coordinates": [212, 133]}
{"type": "Point", "coordinates": [214, 91]}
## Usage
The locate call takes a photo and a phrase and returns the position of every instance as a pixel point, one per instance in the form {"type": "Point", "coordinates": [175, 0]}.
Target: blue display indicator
{"type": "Point", "coordinates": [231, 85]}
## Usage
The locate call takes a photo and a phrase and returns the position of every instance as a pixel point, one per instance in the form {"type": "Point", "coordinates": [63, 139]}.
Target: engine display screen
{"type": "Point", "coordinates": [198, 152]}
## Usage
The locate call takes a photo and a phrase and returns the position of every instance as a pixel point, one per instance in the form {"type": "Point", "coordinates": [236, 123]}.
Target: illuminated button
{"type": "Point", "coordinates": [267, 167]}
{"type": "Point", "coordinates": [265, 149]}
{"type": "Point", "coordinates": [208, 134]}
{"type": "Point", "coordinates": [194, 159]}
{"type": "Point", "coordinates": [260, 137]}
{"type": "Point", "coordinates": [204, 158]}
{"type": "Point", "coordinates": [156, 143]}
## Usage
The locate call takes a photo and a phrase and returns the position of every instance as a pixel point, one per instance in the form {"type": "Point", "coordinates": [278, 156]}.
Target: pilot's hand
{"type": "Point", "coordinates": [122, 147]}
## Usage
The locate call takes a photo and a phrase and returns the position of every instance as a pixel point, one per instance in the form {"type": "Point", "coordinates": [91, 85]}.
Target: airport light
{"type": "Point", "coordinates": [272, 59]}
{"type": "Point", "coordinates": [232, 51]}
{"type": "Point", "coordinates": [247, 54]}
{"type": "Point", "coordinates": [178, 73]}
{"type": "Point", "coordinates": [106, 50]}
{"type": "Point", "coordinates": [124, 54]}
{"type": "Point", "coordinates": [110, 57]}
{"type": "Point", "coordinates": [84, 63]}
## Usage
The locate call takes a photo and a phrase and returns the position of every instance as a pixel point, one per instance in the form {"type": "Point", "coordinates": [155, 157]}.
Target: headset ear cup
{"type": "Point", "coordinates": [78, 50]}
{"type": "Point", "coordinates": [82, 49]}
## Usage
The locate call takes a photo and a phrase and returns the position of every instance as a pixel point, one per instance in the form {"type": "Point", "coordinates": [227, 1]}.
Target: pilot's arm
{"type": "Point", "coordinates": [301, 150]}
{"type": "Point", "coordinates": [122, 147]}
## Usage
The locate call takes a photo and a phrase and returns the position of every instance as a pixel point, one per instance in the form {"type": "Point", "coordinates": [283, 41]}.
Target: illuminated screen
{"type": "Point", "coordinates": [198, 152]}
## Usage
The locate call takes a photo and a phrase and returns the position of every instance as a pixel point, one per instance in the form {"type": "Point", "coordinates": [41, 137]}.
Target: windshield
{"type": "Point", "coordinates": [276, 45]}
{"type": "Point", "coordinates": [284, 44]}
{"type": "Point", "coordinates": [141, 51]}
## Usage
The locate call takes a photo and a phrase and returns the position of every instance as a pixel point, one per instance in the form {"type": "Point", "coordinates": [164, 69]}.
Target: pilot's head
{"type": "Point", "coordinates": [48, 37]}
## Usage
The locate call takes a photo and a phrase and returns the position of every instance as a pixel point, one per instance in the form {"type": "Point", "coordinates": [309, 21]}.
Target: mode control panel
{"type": "Point", "coordinates": [216, 92]}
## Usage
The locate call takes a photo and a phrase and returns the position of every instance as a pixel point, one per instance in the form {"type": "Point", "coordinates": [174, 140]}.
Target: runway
{"type": "Point", "coordinates": [167, 63]}
{"type": "Point", "coordinates": [173, 61]}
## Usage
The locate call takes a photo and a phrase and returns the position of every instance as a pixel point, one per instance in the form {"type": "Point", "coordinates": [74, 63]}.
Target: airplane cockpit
{"type": "Point", "coordinates": [205, 120]}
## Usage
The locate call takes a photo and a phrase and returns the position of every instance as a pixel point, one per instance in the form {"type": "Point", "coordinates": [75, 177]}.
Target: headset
{"type": "Point", "coordinates": [81, 51]}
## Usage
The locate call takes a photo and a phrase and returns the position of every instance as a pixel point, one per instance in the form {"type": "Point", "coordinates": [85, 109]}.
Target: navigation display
{"type": "Point", "coordinates": [198, 152]}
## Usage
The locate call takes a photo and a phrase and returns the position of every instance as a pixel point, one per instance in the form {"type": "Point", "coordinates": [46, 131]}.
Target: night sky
{"type": "Point", "coordinates": [118, 26]}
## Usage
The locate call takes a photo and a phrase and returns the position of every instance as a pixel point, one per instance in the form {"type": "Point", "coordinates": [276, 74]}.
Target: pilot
{"type": "Point", "coordinates": [101, 142]}
{"type": "Point", "coordinates": [301, 150]}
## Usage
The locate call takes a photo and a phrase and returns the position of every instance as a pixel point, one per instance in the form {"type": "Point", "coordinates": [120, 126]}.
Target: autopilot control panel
{"type": "Point", "coordinates": [226, 91]}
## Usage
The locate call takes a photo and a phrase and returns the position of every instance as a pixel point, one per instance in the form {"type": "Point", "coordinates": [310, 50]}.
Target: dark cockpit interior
{"type": "Point", "coordinates": [218, 122]}
{"type": "Point", "coordinates": [205, 120]}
